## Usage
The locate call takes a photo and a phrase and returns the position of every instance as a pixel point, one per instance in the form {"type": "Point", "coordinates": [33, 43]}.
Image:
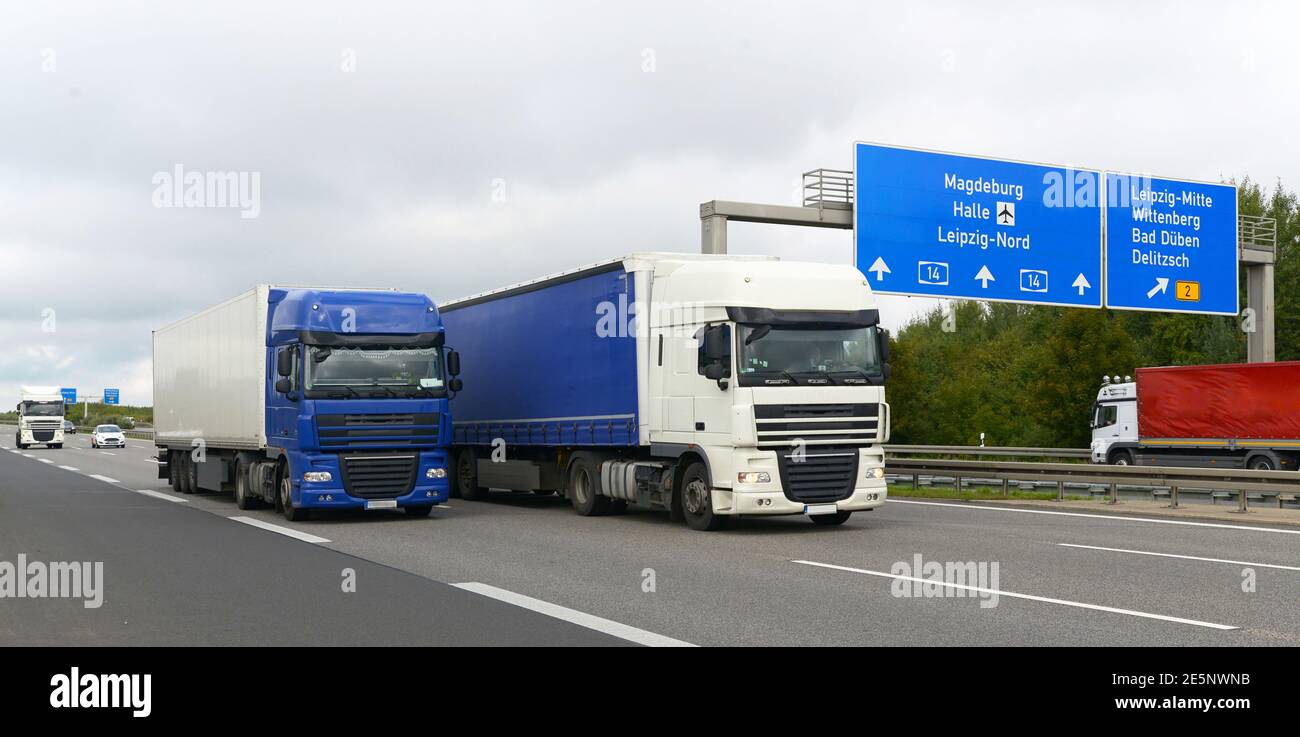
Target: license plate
{"type": "Point", "coordinates": [381, 504]}
{"type": "Point", "coordinates": [814, 509]}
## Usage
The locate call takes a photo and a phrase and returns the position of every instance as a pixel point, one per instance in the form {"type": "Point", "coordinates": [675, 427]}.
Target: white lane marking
{"type": "Point", "coordinates": [28, 455]}
{"type": "Point", "coordinates": [443, 506]}
{"type": "Point", "coordinates": [4, 447]}
{"type": "Point", "coordinates": [582, 619]}
{"type": "Point", "coordinates": [305, 537]}
{"type": "Point", "coordinates": [1111, 517]}
{"type": "Point", "coordinates": [1028, 597]}
{"type": "Point", "coordinates": [70, 468]}
{"type": "Point", "coordinates": [153, 460]}
{"type": "Point", "coordinates": [160, 495]}
{"type": "Point", "coordinates": [106, 453]}
{"type": "Point", "coordinates": [44, 460]}
{"type": "Point", "coordinates": [103, 478]}
{"type": "Point", "coordinates": [1183, 557]}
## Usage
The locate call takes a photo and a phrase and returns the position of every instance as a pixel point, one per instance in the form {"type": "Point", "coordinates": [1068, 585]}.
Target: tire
{"type": "Point", "coordinates": [174, 470]}
{"type": "Point", "coordinates": [56, 446]}
{"type": "Point", "coordinates": [92, 443]}
{"type": "Point", "coordinates": [421, 511]}
{"type": "Point", "coordinates": [830, 520]}
{"type": "Point", "coordinates": [285, 496]}
{"type": "Point", "coordinates": [1261, 463]}
{"type": "Point", "coordinates": [1123, 457]}
{"type": "Point", "coordinates": [187, 474]}
{"type": "Point", "coordinates": [697, 500]}
{"type": "Point", "coordinates": [244, 498]}
{"type": "Point", "coordinates": [467, 477]}
{"type": "Point", "coordinates": [581, 488]}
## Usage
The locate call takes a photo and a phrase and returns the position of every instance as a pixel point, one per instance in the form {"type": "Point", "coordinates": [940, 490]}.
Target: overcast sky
{"type": "Point", "coordinates": [451, 147]}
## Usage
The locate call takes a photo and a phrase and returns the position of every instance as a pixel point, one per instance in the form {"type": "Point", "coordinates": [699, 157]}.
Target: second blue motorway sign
{"type": "Point", "coordinates": [946, 225]}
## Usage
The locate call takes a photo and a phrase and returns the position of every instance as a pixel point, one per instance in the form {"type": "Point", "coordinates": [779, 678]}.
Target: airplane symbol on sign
{"type": "Point", "coordinates": [1006, 213]}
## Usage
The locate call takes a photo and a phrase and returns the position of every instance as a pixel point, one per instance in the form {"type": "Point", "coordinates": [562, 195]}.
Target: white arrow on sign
{"type": "Point", "coordinates": [1082, 283]}
{"type": "Point", "coordinates": [879, 269]}
{"type": "Point", "coordinates": [984, 277]}
{"type": "Point", "coordinates": [1162, 285]}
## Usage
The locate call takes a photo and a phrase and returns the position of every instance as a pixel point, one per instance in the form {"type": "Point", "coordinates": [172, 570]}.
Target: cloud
{"type": "Point", "coordinates": [454, 147]}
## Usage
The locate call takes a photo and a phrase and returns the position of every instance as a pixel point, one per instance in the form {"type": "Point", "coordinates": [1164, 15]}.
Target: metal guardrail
{"type": "Point", "coordinates": [1285, 485]}
{"type": "Point", "coordinates": [980, 451]}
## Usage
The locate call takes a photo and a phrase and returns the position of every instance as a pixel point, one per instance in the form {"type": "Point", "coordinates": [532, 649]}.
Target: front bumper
{"type": "Point", "coordinates": [869, 492]}
{"type": "Point", "coordinates": [333, 495]}
{"type": "Point", "coordinates": [28, 436]}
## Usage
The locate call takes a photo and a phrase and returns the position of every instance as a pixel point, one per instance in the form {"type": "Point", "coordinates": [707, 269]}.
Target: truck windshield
{"type": "Point", "coordinates": [43, 409]}
{"type": "Point", "coordinates": [373, 372]}
{"type": "Point", "coordinates": [773, 355]}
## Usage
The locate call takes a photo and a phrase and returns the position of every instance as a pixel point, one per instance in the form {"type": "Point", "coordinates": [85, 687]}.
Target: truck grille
{"type": "Point", "coordinates": [378, 431]}
{"type": "Point", "coordinates": [816, 475]}
{"type": "Point", "coordinates": [779, 425]}
{"type": "Point", "coordinates": [377, 476]}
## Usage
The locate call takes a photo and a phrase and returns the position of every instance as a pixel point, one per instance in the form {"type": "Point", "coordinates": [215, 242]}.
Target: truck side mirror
{"type": "Point", "coordinates": [884, 345]}
{"type": "Point", "coordinates": [715, 344]}
{"type": "Point", "coordinates": [284, 364]}
{"type": "Point", "coordinates": [715, 371]}
{"type": "Point", "coordinates": [884, 370]}
{"type": "Point", "coordinates": [284, 386]}
{"type": "Point", "coordinates": [453, 364]}
{"type": "Point", "coordinates": [455, 384]}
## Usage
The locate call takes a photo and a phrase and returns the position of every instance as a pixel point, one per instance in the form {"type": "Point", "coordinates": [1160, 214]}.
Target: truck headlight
{"type": "Point", "coordinates": [436, 473]}
{"type": "Point", "coordinates": [754, 477]}
{"type": "Point", "coordinates": [317, 476]}
{"type": "Point", "coordinates": [878, 472]}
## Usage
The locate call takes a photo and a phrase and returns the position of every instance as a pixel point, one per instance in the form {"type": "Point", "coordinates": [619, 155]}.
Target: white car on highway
{"type": "Point", "coordinates": [107, 436]}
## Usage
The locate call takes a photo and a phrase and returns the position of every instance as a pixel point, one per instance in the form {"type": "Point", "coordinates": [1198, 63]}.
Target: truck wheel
{"type": "Point", "coordinates": [582, 489]}
{"type": "Point", "coordinates": [173, 470]}
{"type": "Point", "coordinates": [291, 513]}
{"type": "Point", "coordinates": [421, 511]}
{"type": "Point", "coordinates": [1261, 463]}
{"type": "Point", "coordinates": [467, 477]}
{"type": "Point", "coordinates": [1123, 457]}
{"type": "Point", "coordinates": [56, 446]}
{"type": "Point", "coordinates": [187, 474]}
{"type": "Point", "coordinates": [244, 498]}
{"type": "Point", "coordinates": [830, 520]}
{"type": "Point", "coordinates": [697, 500]}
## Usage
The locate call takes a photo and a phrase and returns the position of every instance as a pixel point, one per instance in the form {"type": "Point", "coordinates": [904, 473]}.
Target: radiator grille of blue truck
{"type": "Point", "coordinates": [377, 431]}
{"type": "Point", "coordinates": [371, 476]}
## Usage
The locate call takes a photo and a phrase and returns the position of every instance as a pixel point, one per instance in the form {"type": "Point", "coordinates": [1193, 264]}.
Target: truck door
{"type": "Point", "coordinates": [712, 402]}
{"type": "Point", "coordinates": [282, 412]}
{"type": "Point", "coordinates": [678, 402]}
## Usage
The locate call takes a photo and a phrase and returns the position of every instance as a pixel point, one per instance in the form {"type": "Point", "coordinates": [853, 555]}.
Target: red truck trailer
{"type": "Point", "coordinates": [1230, 416]}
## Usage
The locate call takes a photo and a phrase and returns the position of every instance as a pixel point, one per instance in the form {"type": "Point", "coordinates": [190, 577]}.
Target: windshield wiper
{"type": "Point", "coordinates": [785, 374]}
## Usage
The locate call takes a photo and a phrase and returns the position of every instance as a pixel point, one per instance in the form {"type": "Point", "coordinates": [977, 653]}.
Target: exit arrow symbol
{"type": "Point", "coordinates": [879, 269]}
{"type": "Point", "coordinates": [1162, 286]}
{"type": "Point", "coordinates": [1081, 282]}
{"type": "Point", "coordinates": [984, 277]}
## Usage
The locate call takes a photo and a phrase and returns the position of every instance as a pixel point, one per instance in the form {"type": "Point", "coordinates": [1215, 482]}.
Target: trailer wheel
{"type": "Point", "coordinates": [1122, 457]}
{"type": "Point", "coordinates": [244, 498]}
{"type": "Point", "coordinates": [1261, 463]}
{"type": "Point", "coordinates": [697, 500]}
{"type": "Point", "coordinates": [173, 470]}
{"type": "Point", "coordinates": [467, 477]}
{"type": "Point", "coordinates": [291, 513]}
{"type": "Point", "coordinates": [188, 474]}
{"type": "Point", "coordinates": [581, 489]}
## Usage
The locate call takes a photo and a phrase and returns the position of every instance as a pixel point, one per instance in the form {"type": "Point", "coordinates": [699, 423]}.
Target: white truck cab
{"type": "Point", "coordinates": [40, 417]}
{"type": "Point", "coordinates": [1115, 423]}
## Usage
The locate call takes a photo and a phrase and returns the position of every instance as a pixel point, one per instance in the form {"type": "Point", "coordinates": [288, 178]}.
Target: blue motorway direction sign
{"type": "Point", "coordinates": [945, 225]}
{"type": "Point", "coordinates": [110, 396]}
{"type": "Point", "coordinates": [69, 395]}
{"type": "Point", "coordinates": [1171, 245]}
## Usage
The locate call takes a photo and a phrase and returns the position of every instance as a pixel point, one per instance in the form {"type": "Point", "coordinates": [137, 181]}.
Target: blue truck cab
{"type": "Point", "coordinates": [354, 388]}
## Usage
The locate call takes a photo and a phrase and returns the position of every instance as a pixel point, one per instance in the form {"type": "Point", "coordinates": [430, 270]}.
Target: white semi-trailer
{"type": "Point", "coordinates": [40, 417]}
{"type": "Point", "coordinates": [711, 386]}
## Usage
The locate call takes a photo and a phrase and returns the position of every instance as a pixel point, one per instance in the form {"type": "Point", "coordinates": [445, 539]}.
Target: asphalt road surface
{"type": "Point", "coordinates": [524, 569]}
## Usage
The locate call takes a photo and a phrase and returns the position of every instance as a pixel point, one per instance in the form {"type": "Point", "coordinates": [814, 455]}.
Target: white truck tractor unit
{"type": "Point", "coordinates": [40, 417]}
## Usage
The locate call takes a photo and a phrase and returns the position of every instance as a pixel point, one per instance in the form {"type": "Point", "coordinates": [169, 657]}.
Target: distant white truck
{"type": "Point", "coordinates": [40, 417]}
